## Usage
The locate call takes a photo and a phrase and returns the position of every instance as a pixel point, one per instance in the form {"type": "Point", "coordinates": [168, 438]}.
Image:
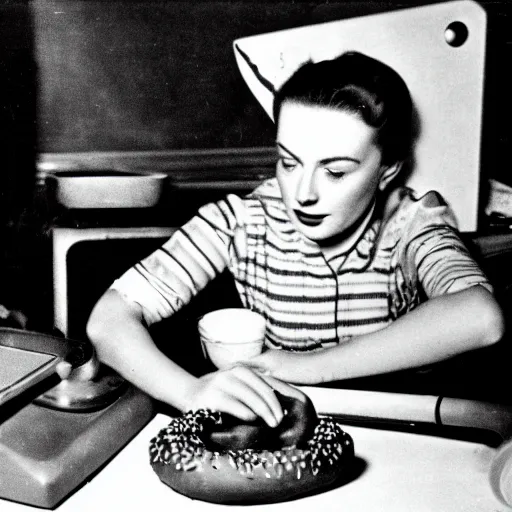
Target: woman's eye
{"type": "Point", "coordinates": [335, 173]}
{"type": "Point", "coordinates": [287, 164]}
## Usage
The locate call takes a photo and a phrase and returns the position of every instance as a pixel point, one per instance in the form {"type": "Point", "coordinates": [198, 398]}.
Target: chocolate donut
{"type": "Point", "coordinates": [213, 457]}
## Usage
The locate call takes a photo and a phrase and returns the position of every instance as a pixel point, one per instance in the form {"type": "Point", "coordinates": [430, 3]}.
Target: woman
{"type": "Point", "coordinates": [354, 276]}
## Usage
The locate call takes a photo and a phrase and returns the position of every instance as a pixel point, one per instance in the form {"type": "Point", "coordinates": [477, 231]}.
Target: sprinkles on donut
{"type": "Point", "coordinates": [187, 457]}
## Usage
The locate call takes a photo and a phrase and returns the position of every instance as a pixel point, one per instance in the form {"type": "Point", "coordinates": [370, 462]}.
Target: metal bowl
{"type": "Point", "coordinates": [107, 189]}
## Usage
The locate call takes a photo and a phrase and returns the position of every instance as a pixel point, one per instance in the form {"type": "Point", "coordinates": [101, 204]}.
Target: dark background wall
{"type": "Point", "coordinates": [83, 75]}
{"type": "Point", "coordinates": [156, 75]}
{"type": "Point", "coordinates": [146, 75]}
{"type": "Point", "coordinates": [18, 128]}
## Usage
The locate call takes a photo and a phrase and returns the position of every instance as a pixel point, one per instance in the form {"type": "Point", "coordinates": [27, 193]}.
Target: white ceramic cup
{"type": "Point", "coordinates": [230, 335]}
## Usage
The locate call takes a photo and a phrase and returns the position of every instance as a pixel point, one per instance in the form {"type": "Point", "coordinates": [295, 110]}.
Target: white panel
{"type": "Point", "coordinates": [446, 83]}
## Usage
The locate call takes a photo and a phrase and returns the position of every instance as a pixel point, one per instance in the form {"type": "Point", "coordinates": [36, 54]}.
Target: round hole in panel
{"type": "Point", "coordinates": [456, 34]}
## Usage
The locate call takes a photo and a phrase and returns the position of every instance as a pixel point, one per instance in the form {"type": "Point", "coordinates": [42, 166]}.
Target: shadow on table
{"type": "Point", "coordinates": [350, 474]}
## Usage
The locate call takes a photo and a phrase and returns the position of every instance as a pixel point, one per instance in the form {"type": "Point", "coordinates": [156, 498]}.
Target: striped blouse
{"type": "Point", "coordinates": [410, 251]}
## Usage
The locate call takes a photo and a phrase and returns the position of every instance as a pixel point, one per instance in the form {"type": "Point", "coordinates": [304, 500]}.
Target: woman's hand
{"type": "Point", "coordinates": [295, 367]}
{"type": "Point", "coordinates": [239, 391]}
{"type": "Point", "coordinates": [242, 392]}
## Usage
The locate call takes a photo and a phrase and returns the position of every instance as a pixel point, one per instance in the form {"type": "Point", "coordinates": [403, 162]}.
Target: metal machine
{"type": "Point", "coordinates": [56, 433]}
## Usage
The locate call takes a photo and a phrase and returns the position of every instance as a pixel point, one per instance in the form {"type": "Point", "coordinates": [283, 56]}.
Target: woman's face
{"type": "Point", "coordinates": [329, 169]}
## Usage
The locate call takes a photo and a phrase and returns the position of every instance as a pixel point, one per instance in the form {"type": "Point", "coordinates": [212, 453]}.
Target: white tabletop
{"type": "Point", "coordinates": [403, 472]}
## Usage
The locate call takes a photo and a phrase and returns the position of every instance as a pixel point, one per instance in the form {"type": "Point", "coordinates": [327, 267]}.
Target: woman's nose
{"type": "Point", "coordinates": [306, 189]}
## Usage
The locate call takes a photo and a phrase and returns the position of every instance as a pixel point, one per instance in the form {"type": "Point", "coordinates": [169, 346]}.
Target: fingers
{"type": "Point", "coordinates": [260, 396]}
{"type": "Point", "coordinates": [235, 407]}
{"type": "Point", "coordinates": [258, 365]}
{"type": "Point", "coordinates": [241, 392]}
{"type": "Point", "coordinates": [284, 388]}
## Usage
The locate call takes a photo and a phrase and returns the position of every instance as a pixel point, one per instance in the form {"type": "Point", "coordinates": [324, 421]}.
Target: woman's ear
{"type": "Point", "coordinates": [388, 174]}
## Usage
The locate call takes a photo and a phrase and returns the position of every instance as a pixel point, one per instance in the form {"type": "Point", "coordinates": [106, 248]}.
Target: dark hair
{"type": "Point", "coordinates": [356, 83]}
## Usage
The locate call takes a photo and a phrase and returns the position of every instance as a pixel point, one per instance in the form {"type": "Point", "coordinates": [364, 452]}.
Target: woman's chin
{"type": "Point", "coordinates": [323, 236]}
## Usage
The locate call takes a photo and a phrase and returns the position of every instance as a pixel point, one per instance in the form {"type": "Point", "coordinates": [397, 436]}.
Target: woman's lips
{"type": "Point", "coordinates": [308, 219]}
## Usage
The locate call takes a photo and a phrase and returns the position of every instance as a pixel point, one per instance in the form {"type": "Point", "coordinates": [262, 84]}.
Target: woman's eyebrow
{"type": "Point", "coordinates": [295, 157]}
{"type": "Point", "coordinates": [324, 161]}
{"type": "Point", "coordinates": [327, 161]}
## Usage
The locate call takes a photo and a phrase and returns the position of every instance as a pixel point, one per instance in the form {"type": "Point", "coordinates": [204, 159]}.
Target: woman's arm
{"type": "Point", "coordinates": [436, 330]}
{"type": "Point", "coordinates": [122, 342]}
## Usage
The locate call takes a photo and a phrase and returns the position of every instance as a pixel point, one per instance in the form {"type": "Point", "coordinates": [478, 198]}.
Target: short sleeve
{"type": "Point", "coordinates": [195, 254]}
{"type": "Point", "coordinates": [434, 252]}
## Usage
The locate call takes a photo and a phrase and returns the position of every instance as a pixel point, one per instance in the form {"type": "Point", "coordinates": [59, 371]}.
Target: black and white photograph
{"type": "Point", "coordinates": [256, 255]}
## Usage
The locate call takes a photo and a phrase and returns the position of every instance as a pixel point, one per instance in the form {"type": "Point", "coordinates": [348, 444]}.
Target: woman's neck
{"type": "Point", "coordinates": [346, 242]}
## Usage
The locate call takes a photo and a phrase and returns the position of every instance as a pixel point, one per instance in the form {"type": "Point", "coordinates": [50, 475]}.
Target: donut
{"type": "Point", "coordinates": [212, 456]}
